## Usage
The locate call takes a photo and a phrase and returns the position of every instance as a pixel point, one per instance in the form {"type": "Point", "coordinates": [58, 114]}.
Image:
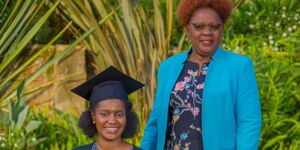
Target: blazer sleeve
{"type": "Point", "coordinates": [248, 111]}
{"type": "Point", "coordinates": [149, 140]}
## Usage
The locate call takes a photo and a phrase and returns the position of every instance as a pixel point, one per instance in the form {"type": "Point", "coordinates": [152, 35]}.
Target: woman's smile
{"type": "Point", "coordinates": [206, 42]}
{"type": "Point", "coordinates": [111, 130]}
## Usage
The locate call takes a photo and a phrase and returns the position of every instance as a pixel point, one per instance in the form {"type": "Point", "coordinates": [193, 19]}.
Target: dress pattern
{"type": "Point", "coordinates": [94, 146]}
{"type": "Point", "coordinates": [184, 125]}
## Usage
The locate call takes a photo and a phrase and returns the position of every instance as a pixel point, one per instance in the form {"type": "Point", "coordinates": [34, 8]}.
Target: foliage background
{"type": "Point", "coordinates": [136, 39]}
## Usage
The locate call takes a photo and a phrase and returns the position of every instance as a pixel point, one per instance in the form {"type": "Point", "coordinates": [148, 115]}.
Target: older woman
{"type": "Point", "coordinates": [110, 116]}
{"type": "Point", "coordinates": [207, 97]}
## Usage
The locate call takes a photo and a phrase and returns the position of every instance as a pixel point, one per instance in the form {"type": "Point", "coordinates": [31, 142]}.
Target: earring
{"type": "Point", "coordinates": [94, 122]}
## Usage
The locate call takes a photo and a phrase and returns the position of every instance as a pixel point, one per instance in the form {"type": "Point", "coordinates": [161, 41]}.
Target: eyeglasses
{"type": "Point", "coordinates": [211, 26]}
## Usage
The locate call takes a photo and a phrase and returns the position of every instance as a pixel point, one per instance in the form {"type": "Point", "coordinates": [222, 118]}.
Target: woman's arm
{"type": "Point", "coordinates": [248, 109]}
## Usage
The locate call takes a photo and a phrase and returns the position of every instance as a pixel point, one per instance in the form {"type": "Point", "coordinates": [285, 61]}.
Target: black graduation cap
{"type": "Point", "coordinates": [109, 84]}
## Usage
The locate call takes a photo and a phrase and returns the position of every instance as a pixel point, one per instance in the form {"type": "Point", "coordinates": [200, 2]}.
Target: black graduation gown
{"type": "Point", "coordinates": [89, 147]}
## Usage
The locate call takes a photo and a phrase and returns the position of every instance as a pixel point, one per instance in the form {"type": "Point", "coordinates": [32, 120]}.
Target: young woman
{"type": "Point", "coordinates": [110, 116]}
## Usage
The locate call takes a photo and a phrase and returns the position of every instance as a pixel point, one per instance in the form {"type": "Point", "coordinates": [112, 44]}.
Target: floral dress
{"type": "Point", "coordinates": [184, 125]}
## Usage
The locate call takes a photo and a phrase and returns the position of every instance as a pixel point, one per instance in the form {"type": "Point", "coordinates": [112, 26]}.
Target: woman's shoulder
{"type": "Point", "coordinates": [236, 62]}
{"type": "Point", "coordinates": [84, 147]}
{"type": "Point", "coordinates": [177, 58]}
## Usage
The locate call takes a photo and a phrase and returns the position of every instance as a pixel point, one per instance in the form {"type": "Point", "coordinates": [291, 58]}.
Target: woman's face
{"type": "Point", "coordinates": [205, 31]}
{"type": "Point", "coordinates": [110, 119]}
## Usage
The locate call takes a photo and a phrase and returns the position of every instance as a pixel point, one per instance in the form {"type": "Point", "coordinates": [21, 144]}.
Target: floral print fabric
{"type": "Point", "coordinates": [94, 146]}
{"type": "Point", "coordinates": [184, 125]}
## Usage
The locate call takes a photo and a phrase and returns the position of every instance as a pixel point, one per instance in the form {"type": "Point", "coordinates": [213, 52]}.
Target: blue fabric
{"type": "Point", "coordinates": [231, 114]}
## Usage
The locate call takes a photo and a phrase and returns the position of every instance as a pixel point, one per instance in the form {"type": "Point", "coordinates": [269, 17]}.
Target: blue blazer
{"type": "Point", "coordinates": [231, 114]}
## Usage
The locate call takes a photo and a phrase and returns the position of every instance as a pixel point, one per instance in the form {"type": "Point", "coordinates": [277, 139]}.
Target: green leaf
{"type": "Point", "coordinates": [32, 125]}
{"type": "Point", "coordinates": [22, 117]}
{"type": "Point", "coordinates": [61, 55]}
{"type": "Point", "coordinates": [35, 28]}
{"type": "Point", "coordinates": [4, 118]}
{"type": "Point", "coordinates": [12, 111]}
{"type": "Point", "coordinates": [20, 91]}
{"type": "Point", "coordinates": [11, 16]}
{"type": "Point", "coordinates": [32, 143]}
{"type": "Point", "coordinates": [31, 59]}
{"type": "Point", "coordinates": [13, 34]}
{"type": "Point", "coordinates": [273, 141]}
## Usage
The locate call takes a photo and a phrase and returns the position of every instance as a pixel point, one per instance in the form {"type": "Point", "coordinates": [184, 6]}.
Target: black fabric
{"type": "Point", "coordinates": [108, 90]}
{"type": "Point", "coordinates": [109, 84]}
{"type": "Point", "coordinates": [84, 147]}
{"type": "Point", "coordinates": [136, 148]}
{"type": "Point", "coordinates": [89, 147]}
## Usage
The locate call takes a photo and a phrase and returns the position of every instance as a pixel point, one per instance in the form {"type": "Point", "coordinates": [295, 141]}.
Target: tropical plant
{"type": "Point", "coordinates": [24, 127]}
{"type": "Point", "coordinates": [60, 128]}
{"type": "Point", "coordinates": [17, 27]}
{"type": "Point", "coordinates": [19, 130]}
{"type": "Point", "coordinates": [13, 45]}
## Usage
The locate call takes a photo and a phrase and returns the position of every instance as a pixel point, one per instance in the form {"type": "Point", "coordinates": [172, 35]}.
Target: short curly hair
{"type": "Point", "coordinates": [186, 8]}
{"type": "Point", "coordinates": [131, 128]}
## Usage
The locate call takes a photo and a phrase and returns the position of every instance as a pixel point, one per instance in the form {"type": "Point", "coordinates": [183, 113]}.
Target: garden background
{"type": "Point", "coordinates": [47, 47]}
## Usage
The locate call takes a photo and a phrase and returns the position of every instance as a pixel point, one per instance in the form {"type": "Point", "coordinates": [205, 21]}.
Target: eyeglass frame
{"type": "Point", "coordinates": [210, 26]}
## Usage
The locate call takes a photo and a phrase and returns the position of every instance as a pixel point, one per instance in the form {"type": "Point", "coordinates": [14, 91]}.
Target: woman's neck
{"type": "Point", "coordinates": [198, 58]}
{"type": "Point", "coordinates": [117, 144]}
